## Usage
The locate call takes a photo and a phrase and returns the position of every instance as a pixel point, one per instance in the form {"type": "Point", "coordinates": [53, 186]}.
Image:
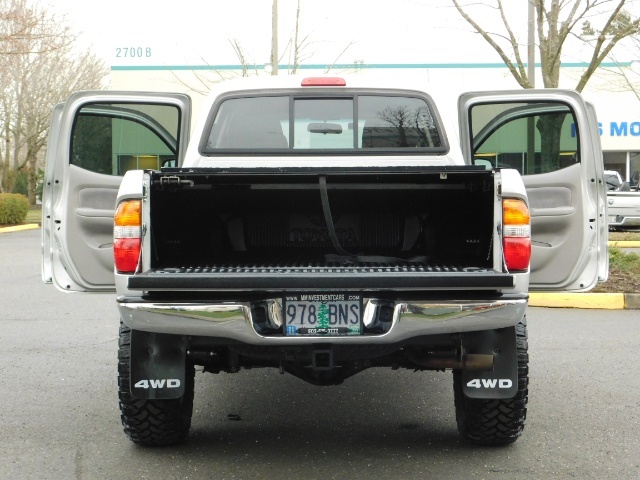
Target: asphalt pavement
{"type": "Point", "coordinates": [59, 412]}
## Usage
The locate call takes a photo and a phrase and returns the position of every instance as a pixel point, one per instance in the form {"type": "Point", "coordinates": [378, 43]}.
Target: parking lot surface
{"type": "Point", "coordinates": [60, 419]}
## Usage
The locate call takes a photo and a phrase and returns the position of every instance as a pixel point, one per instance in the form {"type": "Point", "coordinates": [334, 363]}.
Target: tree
{"type": "Point", "coordinates": [242, 58]}
{"type": "Point", "coordinates": [297, 49]}
{"type": "Point", "coordinates": [39, 67]}
{"type": "Point", "coordinates": [556, 23]}
{"type": "Point", "coordinates": [295, 46]}
{"type": "Point", "coordinates": [298, 45]}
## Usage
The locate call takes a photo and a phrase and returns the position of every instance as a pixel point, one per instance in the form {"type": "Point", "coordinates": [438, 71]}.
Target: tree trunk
{"type": "Point", "coordinates": [550, 128]}
{"type": "Point", "coordinates": [32, 184]}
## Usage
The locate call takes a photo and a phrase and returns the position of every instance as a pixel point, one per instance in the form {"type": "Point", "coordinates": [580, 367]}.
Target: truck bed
{"type": "Point", "coordinates": [431, 229]}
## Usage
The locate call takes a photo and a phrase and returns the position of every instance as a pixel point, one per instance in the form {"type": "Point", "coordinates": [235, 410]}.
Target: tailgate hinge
{"type": "Point", "coordinates": [175, 180]}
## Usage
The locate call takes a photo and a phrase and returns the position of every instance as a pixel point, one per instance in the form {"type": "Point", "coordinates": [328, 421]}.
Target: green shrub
{"type": "Point", "coordinates": [13, 208]}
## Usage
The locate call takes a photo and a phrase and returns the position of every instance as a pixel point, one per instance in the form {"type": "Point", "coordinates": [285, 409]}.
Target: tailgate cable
{"type": "Point", "coordinates": [344, 256]}
{"type": "Point", "coordinates": [326, 209]}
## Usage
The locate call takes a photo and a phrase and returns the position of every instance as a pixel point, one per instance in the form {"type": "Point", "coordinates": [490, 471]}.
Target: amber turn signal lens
{"type": "Point", "coordinates": [515, 212]}
{"type": "Point", "coordinates": [128, 213]}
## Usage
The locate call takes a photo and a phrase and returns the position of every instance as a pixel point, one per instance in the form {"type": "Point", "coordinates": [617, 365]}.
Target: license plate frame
{"type": "Point", "coordinates": [322, 314]}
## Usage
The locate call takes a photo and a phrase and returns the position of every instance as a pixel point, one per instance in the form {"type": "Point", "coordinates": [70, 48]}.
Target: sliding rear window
{"type": "Point", "coordinates": [355, 123]}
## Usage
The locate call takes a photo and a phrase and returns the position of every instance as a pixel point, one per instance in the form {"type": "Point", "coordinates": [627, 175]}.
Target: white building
{"type": "Point", "coordinates": [616, 104]}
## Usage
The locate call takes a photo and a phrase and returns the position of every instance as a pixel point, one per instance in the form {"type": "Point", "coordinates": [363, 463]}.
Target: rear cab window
{"type": "Point", "coordinates": [321, 121]}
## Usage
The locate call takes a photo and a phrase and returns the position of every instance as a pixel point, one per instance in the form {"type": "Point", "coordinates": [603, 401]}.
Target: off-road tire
{"type": "Point", "coordinates": [495, 422]}
{"type": "Point", "coordinates": [152, 422]}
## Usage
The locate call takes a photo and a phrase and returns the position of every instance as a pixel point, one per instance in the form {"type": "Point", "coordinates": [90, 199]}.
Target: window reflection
{"type": "Point", "coordinates": [321, 123]}
{"type": "Point", "coordinates": [250, 123]}
{"type": "Point", "coordinates": [396, 122]}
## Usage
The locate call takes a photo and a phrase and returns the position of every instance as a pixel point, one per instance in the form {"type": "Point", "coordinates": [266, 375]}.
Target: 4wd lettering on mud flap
{"type": "Point", "coordinates": [490, 383]}
{"type": "Point", "coordinates": [170, 383]}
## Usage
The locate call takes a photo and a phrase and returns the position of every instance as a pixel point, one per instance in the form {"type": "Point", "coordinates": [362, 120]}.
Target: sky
{"type": "Point", "coordinates": [199, 32]}
{"type": "Point", "coordinates": [191, 32]}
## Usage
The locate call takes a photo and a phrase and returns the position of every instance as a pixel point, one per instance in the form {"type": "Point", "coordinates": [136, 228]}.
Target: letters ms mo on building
{"type": "Point", "coordinates": [616, 129]}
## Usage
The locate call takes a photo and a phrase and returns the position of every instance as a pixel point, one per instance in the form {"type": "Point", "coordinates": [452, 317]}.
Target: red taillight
{"type": "Point", "coordinates": [516, 234]}
{"type": "Point", "coordinates": [127, 233]}
{"type": "Point", "coordinates": [517, 253]}
{"type": "Point", "coordinates": [126, 253]}
{"type": "Point", "coordinates": [324, 82]}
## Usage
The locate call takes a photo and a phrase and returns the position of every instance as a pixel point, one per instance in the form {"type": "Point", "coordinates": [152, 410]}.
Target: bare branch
{"type": "Point", "coordinates": [555, 21]}
{"type": "Point", "coordinates": [521, 79]}
{"type": "Point", "coordinates": [514, 44]}
{"type": "Point", "coordinates": [329, 67]}
{"type": "Point", "coordinates": [237, 48]}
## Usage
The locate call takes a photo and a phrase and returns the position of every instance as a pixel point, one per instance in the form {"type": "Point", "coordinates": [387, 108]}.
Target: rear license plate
{"type": "Point", "coordinates": [323, 314]}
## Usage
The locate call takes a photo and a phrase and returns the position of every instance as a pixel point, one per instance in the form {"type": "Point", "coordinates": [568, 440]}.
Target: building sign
{"type": "Point", "coordinates": [620, 135]}
{"type": "Point", "coordinates": [615, 129]}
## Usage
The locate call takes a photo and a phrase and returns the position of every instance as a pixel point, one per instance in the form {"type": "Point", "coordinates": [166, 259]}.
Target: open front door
{"type": "Point", "coordinates": [551, 137]}
{"type": "Point", "coordinates": [95, 137]}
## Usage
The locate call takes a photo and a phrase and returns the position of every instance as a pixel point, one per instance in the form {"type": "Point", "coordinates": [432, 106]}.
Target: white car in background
{"type": "Point", "coordinates": [623, 204]}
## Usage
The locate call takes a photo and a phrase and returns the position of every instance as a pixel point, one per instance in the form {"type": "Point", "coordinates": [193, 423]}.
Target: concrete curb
{"type": "Point", "coordinates": [604, 301]}
{"type": "Point", "coordinates": [18, 228]}
{"type": "Point", "coordinates": [624, 244]}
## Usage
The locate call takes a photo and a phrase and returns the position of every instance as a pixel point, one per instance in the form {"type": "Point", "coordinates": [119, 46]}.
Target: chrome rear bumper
{"type": "Point", "coordinates": [234, 322]}
{"type": "Point", "coordinates": [620, 221]}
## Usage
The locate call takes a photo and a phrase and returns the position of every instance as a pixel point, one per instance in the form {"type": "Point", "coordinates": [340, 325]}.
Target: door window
{"type": "Point", "coordinates": [529, 137]}
{"type": "Point", "coordinates": [114, 138]}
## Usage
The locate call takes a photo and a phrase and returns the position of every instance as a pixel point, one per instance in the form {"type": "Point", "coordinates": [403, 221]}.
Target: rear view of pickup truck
{"type": "Point", "coordinates": [322, 227]}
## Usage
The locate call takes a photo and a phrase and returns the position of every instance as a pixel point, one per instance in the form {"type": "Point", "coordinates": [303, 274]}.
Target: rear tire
{"type": "Point", "coordinates": [152, 422]}
{"type": "Point", "coordinates": [495, 422]}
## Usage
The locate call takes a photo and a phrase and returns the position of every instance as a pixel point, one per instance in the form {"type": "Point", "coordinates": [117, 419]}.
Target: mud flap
{"type": "Point", "coordinates": [502, 381]}
{"type": "Point", "coordinates": [157, 365]}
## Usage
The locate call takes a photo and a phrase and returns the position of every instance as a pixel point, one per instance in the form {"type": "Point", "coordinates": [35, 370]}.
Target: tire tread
{"type": "Point", "coordinates": [152, 422]}
{"type": "Point", "coordinates": [495, 422]}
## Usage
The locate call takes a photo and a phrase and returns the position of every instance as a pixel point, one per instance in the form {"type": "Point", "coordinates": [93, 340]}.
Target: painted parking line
{"type": "Point", "coordinates": [18, 228]}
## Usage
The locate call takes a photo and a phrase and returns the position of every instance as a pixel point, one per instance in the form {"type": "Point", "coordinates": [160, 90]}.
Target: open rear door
{"type": "Point", "coordinates": [551, 137]}
{"type": "Point", "coordinates": [95, 137]}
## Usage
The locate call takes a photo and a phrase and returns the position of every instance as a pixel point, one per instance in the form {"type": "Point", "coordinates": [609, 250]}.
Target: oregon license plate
{"type": "Point", "coordinates": [323, 314]}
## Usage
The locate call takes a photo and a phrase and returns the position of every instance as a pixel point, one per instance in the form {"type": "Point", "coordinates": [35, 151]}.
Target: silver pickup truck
{"type": "Point", "coordinates": [323, 226]}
